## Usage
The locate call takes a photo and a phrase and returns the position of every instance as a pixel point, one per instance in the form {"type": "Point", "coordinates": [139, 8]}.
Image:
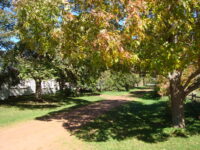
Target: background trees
{"type": "Point", "coordinates": [7, 22]}
{"type": "Point", "coordinates": [8, 74]}
{"type": "Point", "coordinates": [110, 80]}
{"type": "Point", "coordinates": [82, 38]}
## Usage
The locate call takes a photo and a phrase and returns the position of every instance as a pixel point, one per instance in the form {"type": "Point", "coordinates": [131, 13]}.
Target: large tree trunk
{"type": "Point", "coordinates": [177, 96]}
{"type": "Point", "coordinates": [38, 89]}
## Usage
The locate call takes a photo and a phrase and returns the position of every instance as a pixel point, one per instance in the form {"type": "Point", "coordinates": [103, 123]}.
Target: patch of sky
{"type": "Point", "coordinates": [122, 22]}
{"type": "Point", "coordinates": [14, 39]}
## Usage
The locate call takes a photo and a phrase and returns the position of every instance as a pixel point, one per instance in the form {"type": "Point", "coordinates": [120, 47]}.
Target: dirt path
{"type": "Point", "coordinates": [51, 132]}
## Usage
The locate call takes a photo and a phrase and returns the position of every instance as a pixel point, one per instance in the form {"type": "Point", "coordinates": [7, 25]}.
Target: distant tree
{"type": "Point", "coordinates": [9, 75]}
{"type": "Point", "coordinates": [7, 22]}
{"type": "Point", "coordinates": [34, 66]}
{"type": "Point", "coordinates": [112, 80]}
{"type": "Point", "coordinates": [37, 25]}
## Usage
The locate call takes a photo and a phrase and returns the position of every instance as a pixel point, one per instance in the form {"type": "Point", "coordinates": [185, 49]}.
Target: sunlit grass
{"type": "Point", "coordinates": [19, 111]}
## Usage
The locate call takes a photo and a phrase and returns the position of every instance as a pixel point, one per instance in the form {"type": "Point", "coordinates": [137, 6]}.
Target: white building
{"type": "Point", "coordinates": [27, 87]}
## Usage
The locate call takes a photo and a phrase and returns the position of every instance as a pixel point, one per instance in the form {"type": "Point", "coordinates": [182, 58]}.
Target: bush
{"type": "Point", "coordinates": [111, 81]}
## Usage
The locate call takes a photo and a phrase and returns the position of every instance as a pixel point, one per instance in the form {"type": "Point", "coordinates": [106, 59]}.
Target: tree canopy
{"type": "Point", "coordinates": [7, 22]}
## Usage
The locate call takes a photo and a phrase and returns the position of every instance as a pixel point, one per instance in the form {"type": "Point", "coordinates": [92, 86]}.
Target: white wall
{"type": "Point", "coordinates": [27, 87]}
{"type": "Point", "coordinates": [4, 92]}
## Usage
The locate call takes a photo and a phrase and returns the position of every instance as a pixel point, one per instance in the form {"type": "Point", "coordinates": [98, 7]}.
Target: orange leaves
{"type": "Point", "coordinates": [134, 21]}
{"type": "Point", "coordinates": [56, 34]}
{"type": "Point", "coordinates": [135, 6]}
{"type": "Point", "coordinates": [82, 29]}
{"type": "Point", "coordinates": [68, 16]}
{"type": "Point", "coordinates": [112, 50]}
{"type": "Point", "coordinates": [102, 17]}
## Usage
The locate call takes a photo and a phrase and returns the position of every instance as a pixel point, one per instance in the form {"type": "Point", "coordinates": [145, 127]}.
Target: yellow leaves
{"type": "Point", "coordinates": [93, 34]}
{"type": "Point", "coordinates": [101, 18]}
{"type": "Point", "coordinates": [56, 33]}
{"type": "Point", "coordinates": [68, 16]}
{"type": "Point", "coordinates": [112, 50]}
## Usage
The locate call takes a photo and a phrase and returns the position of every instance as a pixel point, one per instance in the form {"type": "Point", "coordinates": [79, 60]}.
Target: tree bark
{"type": "Point", "coordinates": [143, 79]}
{"type": "Point", "coordinates": [127, 87]}
{"type": "Point", "coordinates": [177, 96]}
{"type": "Point", "coordinates": [61, 84]}
{"type": "Point", "coordinates": [38, 89]}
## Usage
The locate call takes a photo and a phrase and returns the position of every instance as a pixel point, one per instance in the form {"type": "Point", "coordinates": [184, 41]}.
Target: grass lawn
{"type": "Point", "coordinates": [19, 109]}
{"type": "Point", "coordinates": [141, 124]}
{"type": "Point", "coordinates": [119, 93]}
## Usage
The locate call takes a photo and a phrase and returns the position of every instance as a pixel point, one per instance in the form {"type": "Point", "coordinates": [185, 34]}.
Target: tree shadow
{"type": "Point", "coordinates": [192, 116]}
{"type": "Point", "coordinates": [144, 122]}
{"type": "Point", "coordinates": [143, 88]}
{"type": "Point", "coordinates": [73, 118]}
{"type": "Point", "coordinates": [150, 94]}
{"type": "Point", "coordinates": [48, 101]}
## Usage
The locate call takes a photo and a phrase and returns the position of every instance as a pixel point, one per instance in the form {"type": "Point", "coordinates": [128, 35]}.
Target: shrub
{"type": "Point", "coordinates": [111, 80]}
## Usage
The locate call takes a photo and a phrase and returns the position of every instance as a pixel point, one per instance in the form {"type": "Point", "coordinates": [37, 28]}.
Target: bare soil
{"type": "Point", "coordinates": [51, 132]}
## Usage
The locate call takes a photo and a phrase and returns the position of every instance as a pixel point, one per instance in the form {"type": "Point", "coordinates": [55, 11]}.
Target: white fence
{"type": "Point", "coordinates": [27, 87]}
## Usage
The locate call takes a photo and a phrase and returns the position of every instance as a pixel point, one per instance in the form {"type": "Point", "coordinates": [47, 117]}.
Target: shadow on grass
{"type": "Point", "coordinates": [149, 94]}
{"type": "Point", "coordinates": [48, 101]}
{"type": "Point", "coordinates": [150, 123]}
{"type": "Point", "coordinates": [74, 119]}
{"type": "Point", "coordinates": [63, 113]}
{"type": "Point", "coordinates": [192, 116]}
{"type": "Point", "coordinates": [143, 88]}
{"type": "Point", "coordinates": [144, 122]}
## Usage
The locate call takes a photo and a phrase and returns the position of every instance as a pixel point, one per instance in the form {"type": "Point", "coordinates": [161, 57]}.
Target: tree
{"type": "Point", "coordinates": [34, 66]}
{"type": "Point", "coordinates": [38, 24]}
{"type": "Point", "coordinates": [169, 46]}
{"type": "Point", "coordinates": [7, 22]}
{"type": "Point", "coordinates": [81, 34]}
{"type": "Point", "coordinates": [112, 80]}
{"type": "Point", "coordinates": [90, 31]}
{"type": "Point", "coordinates": [9, 75]}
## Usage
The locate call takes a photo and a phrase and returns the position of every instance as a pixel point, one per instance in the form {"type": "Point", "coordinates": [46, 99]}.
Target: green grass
{"type": "Point", "coordinates": [25, 108]}
{"type": "Point", "coordinates": [143, 124]}
{"type": "Point", "coordinates": [117, 93]}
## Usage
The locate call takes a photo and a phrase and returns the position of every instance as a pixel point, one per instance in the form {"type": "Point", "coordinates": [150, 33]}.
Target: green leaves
{"type": "Point", "coordinates": [170, 35]}
{"type": "Point", "coordinates": [35, 69]}
{"type": "Point", "coordinates": [37, 21]}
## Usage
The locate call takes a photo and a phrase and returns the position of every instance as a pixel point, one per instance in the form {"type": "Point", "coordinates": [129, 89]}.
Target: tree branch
{"type": "Point", "coordinates": [193, 86]}
{"type": "Point", "coordinates": [192, 76]}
